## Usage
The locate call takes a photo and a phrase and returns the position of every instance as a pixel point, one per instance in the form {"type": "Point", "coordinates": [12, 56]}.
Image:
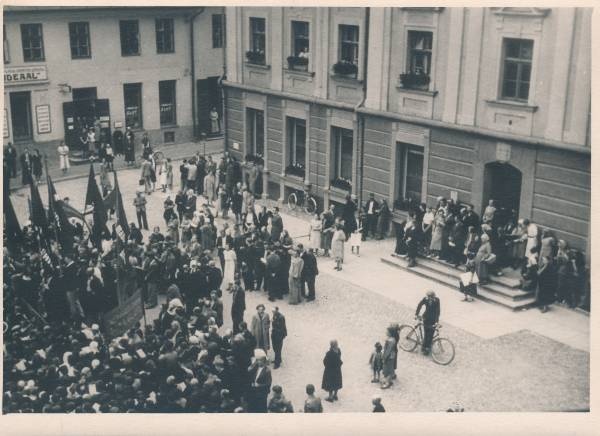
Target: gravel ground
{"type": "Point", "coordinates": [521, 371]}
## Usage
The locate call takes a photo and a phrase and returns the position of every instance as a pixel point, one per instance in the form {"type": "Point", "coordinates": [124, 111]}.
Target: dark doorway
{"type": "Point", "coordinates": [85, 94]}
{"type": "Point", "coordinates": [20, 112]}
{"type": "Point", "coordinates": [502, 183]}
{"type": "Point", "coordinates": [80, 115]}
{"type": "Point", "coordinates": [209, 96]}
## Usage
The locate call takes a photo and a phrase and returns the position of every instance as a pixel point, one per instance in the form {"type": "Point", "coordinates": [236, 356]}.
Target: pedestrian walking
{"type": "Point", "coordinates": [332, 375]}
{"type": "Point", "coordinates": [140, 209]}
{"type": "Point", "coordinates": [278, 334]}
{"type": "Point", "coordinates": [468, 282]}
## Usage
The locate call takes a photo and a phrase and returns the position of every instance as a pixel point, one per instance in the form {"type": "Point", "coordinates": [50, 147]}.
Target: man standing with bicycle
{"type": "Point", "coordinates": [431, 317]}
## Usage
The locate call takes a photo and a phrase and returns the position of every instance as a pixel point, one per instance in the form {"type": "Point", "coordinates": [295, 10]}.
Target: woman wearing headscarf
{"type": "Point", "coordinates": [332, 375]}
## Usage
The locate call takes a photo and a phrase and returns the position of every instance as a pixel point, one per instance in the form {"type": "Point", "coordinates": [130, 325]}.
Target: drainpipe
{"type": "Point", "coordinates": [223, 88]}
{"type": "Point", "coordinates": [360, 117]}
{"type": "Point", "coordinates": [192, 17]}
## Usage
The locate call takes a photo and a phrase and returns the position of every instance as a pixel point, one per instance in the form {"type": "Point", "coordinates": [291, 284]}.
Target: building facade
{"type": "Point", "coordinates": [415, 103]}
{"type": "Point", "coordinates": [152, 69]}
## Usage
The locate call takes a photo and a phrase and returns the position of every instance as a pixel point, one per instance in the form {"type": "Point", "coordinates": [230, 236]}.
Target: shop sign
{"type": "Point", "coordinates": [20, 75]}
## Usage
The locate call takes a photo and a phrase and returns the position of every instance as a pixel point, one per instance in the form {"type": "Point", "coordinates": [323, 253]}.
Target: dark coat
{"type": "Point", "coordinates": [432, 310]}
{"type": "Point", "coordinates": [310, 268]}
{"type": "Point", "coordinates": [278, 327]}
{"type": "Point", "coordinates": [332, 375]}
{"type": "Point", "coordinates": [238, 302]}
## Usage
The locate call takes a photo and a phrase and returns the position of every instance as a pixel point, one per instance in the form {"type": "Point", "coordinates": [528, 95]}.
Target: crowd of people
{"type": "Point", "coordinates": [456, 234]}
{"type": "Point", "coordinates": [178, 362]}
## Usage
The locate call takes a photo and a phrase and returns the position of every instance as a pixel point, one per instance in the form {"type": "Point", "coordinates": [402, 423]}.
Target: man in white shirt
{"type": "Point", "coordinates": [372, 209]}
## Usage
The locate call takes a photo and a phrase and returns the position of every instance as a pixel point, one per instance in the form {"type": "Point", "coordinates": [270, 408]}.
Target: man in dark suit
{"type": "Point", "coordinates": [309, 274]}
{"type": "Point", "coordinates": [238, 306]}
{"type": "Point", "coordinates": [431, 317]}
{"type": "Point", "coordinates": [260, 383]}
{"type": "Point", "coordinates": [276, 225]}
{"type": "Point", "coordinates": [278, 334]}
{"type": "Point", "coordinates": [10, 156]}
{"type": "Point", "coordinates": [190, 204]}
{"type": "Point", "coordinates": [371, 211]}
{"type": "Point", "coordinates": [26, 167]}
{"type": "Point", "coordinates": [470, 218]}
{"type": "Point", "coordinates": [272, 285]}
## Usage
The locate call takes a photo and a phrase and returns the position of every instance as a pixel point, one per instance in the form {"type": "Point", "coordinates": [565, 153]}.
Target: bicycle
{"type": "Point", "coordinates": [442, 349]}
{"type": "Point", "coordinates": [302, 199]}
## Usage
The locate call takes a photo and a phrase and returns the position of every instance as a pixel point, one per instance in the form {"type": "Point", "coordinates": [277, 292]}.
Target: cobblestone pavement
{"type": "Point", "coordinates": [501, 363]}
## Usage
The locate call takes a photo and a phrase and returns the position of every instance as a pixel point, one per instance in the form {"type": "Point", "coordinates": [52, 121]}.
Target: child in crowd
{"type": "Point", "coordinates": [376, 362]}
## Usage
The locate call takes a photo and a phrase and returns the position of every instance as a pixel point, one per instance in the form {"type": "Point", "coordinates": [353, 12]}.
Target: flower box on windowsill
{"type": "Point", "coordinates": [343, 184]}
{"type": "Point", "coordinates": [255, 57]}
{"type": "Point", "coordinates": [345, 69]}
{"type": "Point", "coordinates": [295, 170]}
{"type": "Point", "coordinates": [297, 63]}
{"type": "Point", "coordinates": [299, 73]}
{"type": "Point", "coordinates": [415, 81]}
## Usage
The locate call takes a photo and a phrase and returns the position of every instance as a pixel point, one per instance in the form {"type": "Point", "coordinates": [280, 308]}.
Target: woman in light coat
{"type": "Point", "coordinates": [295, 281]}
{"type": "Point", "coordinates": [337, 246]}
{"type": "Point", "coordinates": [483, 259]}
{"type": "Point", "coordinates": [314, 233]}
{"type": "Point", "coordinates": [229, 270]}
{"type": "Point", "coordinates": [437, 233]}
{"type": "Point", "coordinates": [209, 187]}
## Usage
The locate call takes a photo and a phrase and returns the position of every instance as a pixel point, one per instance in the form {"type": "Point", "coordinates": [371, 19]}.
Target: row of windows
{"type": "Point", "coordinates": [516, 66]}
{"type": "Point", "coordinates": [167, 104]}
{"type": "Point", "coordinates": [79, 38]}
{"type": "Point", "coordinates": [342, 140]}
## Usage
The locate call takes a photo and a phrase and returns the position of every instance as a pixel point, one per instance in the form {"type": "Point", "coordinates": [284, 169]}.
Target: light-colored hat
{"type": "Point", "coordinates": [260, 354]}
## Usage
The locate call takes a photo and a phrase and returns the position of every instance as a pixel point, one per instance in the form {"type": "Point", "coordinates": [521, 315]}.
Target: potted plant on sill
{"type": "Point", "coordinates": [341, 183]}
{"type": "Point", "coordinates": [255, 57]}
{"type": "Point", "coordinates": [295, 170]}
{"type": "Point", "coordinates": [345, 68]}
{"type": "Point", "coordinates": [412, 80]}
{"type": "Point", "coordinates": [297, 63]}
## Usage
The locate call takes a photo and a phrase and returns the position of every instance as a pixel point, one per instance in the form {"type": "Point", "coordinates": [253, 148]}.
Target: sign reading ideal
{"type": "Point", "coordinates": [18, 75]}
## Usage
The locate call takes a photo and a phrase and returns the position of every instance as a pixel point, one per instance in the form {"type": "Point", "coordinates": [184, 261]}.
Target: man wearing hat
{"type": "Point", "coordinates": [431, 317]}
{"type": "Point", "coordinates": [276, 225]}
{"type": "Point", "coordinates": [261, 323]}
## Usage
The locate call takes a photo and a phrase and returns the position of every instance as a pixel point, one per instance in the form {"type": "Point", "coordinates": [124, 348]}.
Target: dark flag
{"type": "Point", "coordinates": [12, 228]}
{"type": "Point", "coordinates": [110, 201]}
{"type": "Point", "coordinates": [121, 226]}
{"type": "Point", "coordinates": [65, 232]}
{"type": "Point", "coordinates": [38, 213]}
{"type": "Point", "coordinates": [93, 197]}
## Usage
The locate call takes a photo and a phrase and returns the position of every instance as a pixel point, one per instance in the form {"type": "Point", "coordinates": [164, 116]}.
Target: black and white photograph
{"type": "Point", "coordinates": [215, 209]}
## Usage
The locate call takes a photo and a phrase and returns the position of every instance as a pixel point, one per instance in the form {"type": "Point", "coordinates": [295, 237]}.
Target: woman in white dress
{"type": "Point", "coordinates": [337, 246]}
{"type": "Point", "coordinates": [356, 236]}
{"type": "Point", "coordinates": [63, 156]}
{"type": "Point", "coordinates": [316, 227]}
{"type": "Point", "coordinates": [162, 178]}
{"type": "Point", "coordinates": [229, 272]}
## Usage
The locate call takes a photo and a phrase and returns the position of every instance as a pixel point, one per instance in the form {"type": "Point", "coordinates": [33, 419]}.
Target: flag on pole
{"type": "Point", "coordinates": [12, 228]}
{"type": "Point", "coordinates": [93, 197]}
{"type": "Point", "coordinates": [38, 213]}
{"type": "Point", "coordinates": [65, 232]}
{"type": "Point", "coordinates": [121, 226]}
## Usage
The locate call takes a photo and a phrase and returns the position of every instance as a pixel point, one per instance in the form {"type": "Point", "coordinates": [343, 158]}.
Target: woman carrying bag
{"type": "Point", "coordinates": [468, 282]}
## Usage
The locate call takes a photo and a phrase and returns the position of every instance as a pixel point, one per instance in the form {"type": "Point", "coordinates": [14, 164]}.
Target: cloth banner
{"type": "Point", "coordinates": [120, 319]}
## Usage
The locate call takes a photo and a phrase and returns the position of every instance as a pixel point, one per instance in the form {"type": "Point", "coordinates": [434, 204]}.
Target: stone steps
{"type": "Point", "coordinates": [495, 292]}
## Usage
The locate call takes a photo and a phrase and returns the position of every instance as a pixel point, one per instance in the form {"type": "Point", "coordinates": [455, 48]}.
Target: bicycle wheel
{"type": "Point", "coordinates": [311, 206]}
{"type": "Point", "coordinates": [408, 338]}
{"type": "Point", "coordinates": [442, 351]}
{"type": "Point", "coordinates": [292, 201]}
